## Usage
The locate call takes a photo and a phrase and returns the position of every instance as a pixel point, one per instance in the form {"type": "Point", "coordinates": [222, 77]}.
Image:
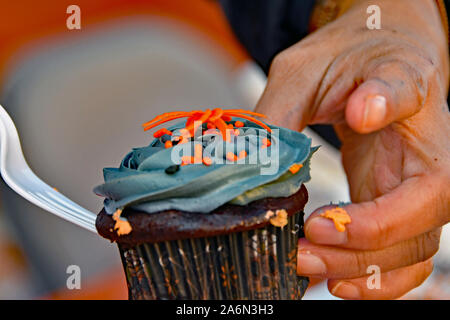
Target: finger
{"type": "Point", "coordinates": [289, 94]}
{"type": "Point", "coordinates": [392, 90]}
{"type": "Point", "coordinates": [417, 206]}
{"type": "Point", "coordinates": [392, 285]}
{"type": "Point", "coordinates": [337, 263]}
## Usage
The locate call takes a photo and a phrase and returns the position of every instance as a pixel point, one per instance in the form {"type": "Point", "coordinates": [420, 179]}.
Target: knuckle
{"type": "Point", "coordinates": [411, 75]}
{"type": "Point", "coordinates": [425, 246]}
{"type": "Point", "coordinates": [429, 68]}
{"type": "Point", "coordinates": [376, 233]}
{"type": "Point", "coordinates": [436, 186]}
{"type": "Point", "coordinates": [417, 250]}
{"type": "Point", "coordinates": [420, 62]}
{"type": "Point", "coordinates": [362, 259]}
{"type": "Point", "coordinates": [283, 62]}
{"type": "Point", "coordinates": [424, 71]}
{"type": "Point", "coordinates": [433, 239]}
{"type": "Point", "coordinates": [442, 194]}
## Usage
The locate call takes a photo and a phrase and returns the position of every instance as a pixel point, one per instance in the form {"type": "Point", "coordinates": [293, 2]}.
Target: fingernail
{"type": "Point", "coordinates": [309, 264]}
{"type": "Point", "coordinates": [346, 290]}
{"type": "Point", "coordinates": [322, 231]}
{"type": "Point", "coordinates": [374, 111]}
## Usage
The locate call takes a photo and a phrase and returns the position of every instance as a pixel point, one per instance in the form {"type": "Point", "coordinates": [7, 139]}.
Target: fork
{"type": "Point", "coordinates": [18, 175]}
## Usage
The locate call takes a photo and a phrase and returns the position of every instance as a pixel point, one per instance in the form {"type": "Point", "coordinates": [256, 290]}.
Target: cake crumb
{"type": "Point", "coordinates": [122, 226]}
{"type": "Point", "coordinates": [269, 214]}
{"type": "Point", "coordinates": [339, 216]}
{"type": "Point", "coordinates": [280, 219]}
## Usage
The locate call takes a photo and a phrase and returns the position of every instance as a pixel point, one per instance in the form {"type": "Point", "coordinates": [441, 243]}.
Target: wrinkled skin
{"type": "Point", "coordinates": [385, 93]}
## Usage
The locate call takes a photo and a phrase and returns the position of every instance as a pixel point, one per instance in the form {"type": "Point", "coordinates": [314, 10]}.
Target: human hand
{"type": "Point", "coordinates": [385, 93]}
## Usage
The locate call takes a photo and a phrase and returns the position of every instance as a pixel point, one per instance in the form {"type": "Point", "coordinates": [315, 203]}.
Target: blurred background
{"type": "Point", "coordinates": [78, 98]}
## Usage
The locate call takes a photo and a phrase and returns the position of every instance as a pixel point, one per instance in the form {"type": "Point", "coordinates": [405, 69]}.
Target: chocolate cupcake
{"type": "Point", "coordinates": [211, 209]}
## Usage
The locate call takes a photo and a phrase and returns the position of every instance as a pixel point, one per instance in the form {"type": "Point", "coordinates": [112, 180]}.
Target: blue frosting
{"type": "Point", "coordinates": [142, 183]}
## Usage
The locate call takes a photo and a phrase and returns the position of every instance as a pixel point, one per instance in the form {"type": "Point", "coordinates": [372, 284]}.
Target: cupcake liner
{"type": "Point", "coordinates": [254, 264]}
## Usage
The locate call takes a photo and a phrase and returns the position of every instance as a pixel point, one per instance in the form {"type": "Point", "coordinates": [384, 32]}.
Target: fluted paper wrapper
{"type": "Point", "coordinates": [254, 264]}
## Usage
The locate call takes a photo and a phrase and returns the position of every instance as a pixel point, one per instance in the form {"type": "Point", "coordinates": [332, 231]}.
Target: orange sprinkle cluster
{"type": "Point", "coordinates": [216, 118]}
{"type": "Point", "coordinates": [339, 216]}
{"type": "Point", "coordinates": [216, 123]}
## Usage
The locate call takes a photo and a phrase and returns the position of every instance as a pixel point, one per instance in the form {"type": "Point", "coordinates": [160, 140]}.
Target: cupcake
{"type": "Point", "coordinates": [211, 209]}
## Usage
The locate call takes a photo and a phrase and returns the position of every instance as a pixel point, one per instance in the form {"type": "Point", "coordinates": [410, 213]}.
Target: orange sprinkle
{"type": "Point", "coordinates": [187, 160]}
{"type": "Point", "coordinates": [266, 142]}
{"type": "Point", "coordinates": [262, 124]}
{"type": "Point", "coordinates": [157, 123]}
{"type": "Point", "coordinates": [165, 115]}
{"type": "Point", "coordinates": [168, 144]}
{"type": "Point", "coordinates": [190, 121]}
{"type": "Point", "coordinates": [209, 125]}
{"type": "Point", "coordinates": [222, 126]}
{"type": "Point", "coordinates": [228, 134]}
{"type": "Point", "coordinates": [236, 132]}
{"type": "Point", "coordinates": [183, 140]}
{"type": "Point", "coordinates": [242, 154]}
{"type": "Point", "coordinates": [185, 133]}
{"type": "Point", "coordinates": [230, 126]}
{"type": "Point", "coordinates": [161, 132]}
{"type": "Point", "coordinates": [207, 161]}
{"type": "Point", "coordinates": [198, 153]}
{"type": "Point", "coordinates": [199, 122]}
{"type": "Point", "coordinates": [295, 168]}
{"type": "Point", "coordinates": [231, 156]}
{"type": "Point", "coordinates": [216, 114]}
{"type": "Point", "coordinates": [339, 216]}
{"type": "Point", "coordinates": [226, 117]}
{"type": "Point", "coordinates": [238, 124]}
{"type": "Point", "coordinates": [212, 131]}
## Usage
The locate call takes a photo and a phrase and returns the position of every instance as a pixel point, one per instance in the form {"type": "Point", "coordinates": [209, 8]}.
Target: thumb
{"type": "Point", "coordinates": [393, 91]}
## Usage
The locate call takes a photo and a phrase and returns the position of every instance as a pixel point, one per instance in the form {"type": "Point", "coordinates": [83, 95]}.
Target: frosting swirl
{"type": "Point", "coordinates": [142, 183]}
